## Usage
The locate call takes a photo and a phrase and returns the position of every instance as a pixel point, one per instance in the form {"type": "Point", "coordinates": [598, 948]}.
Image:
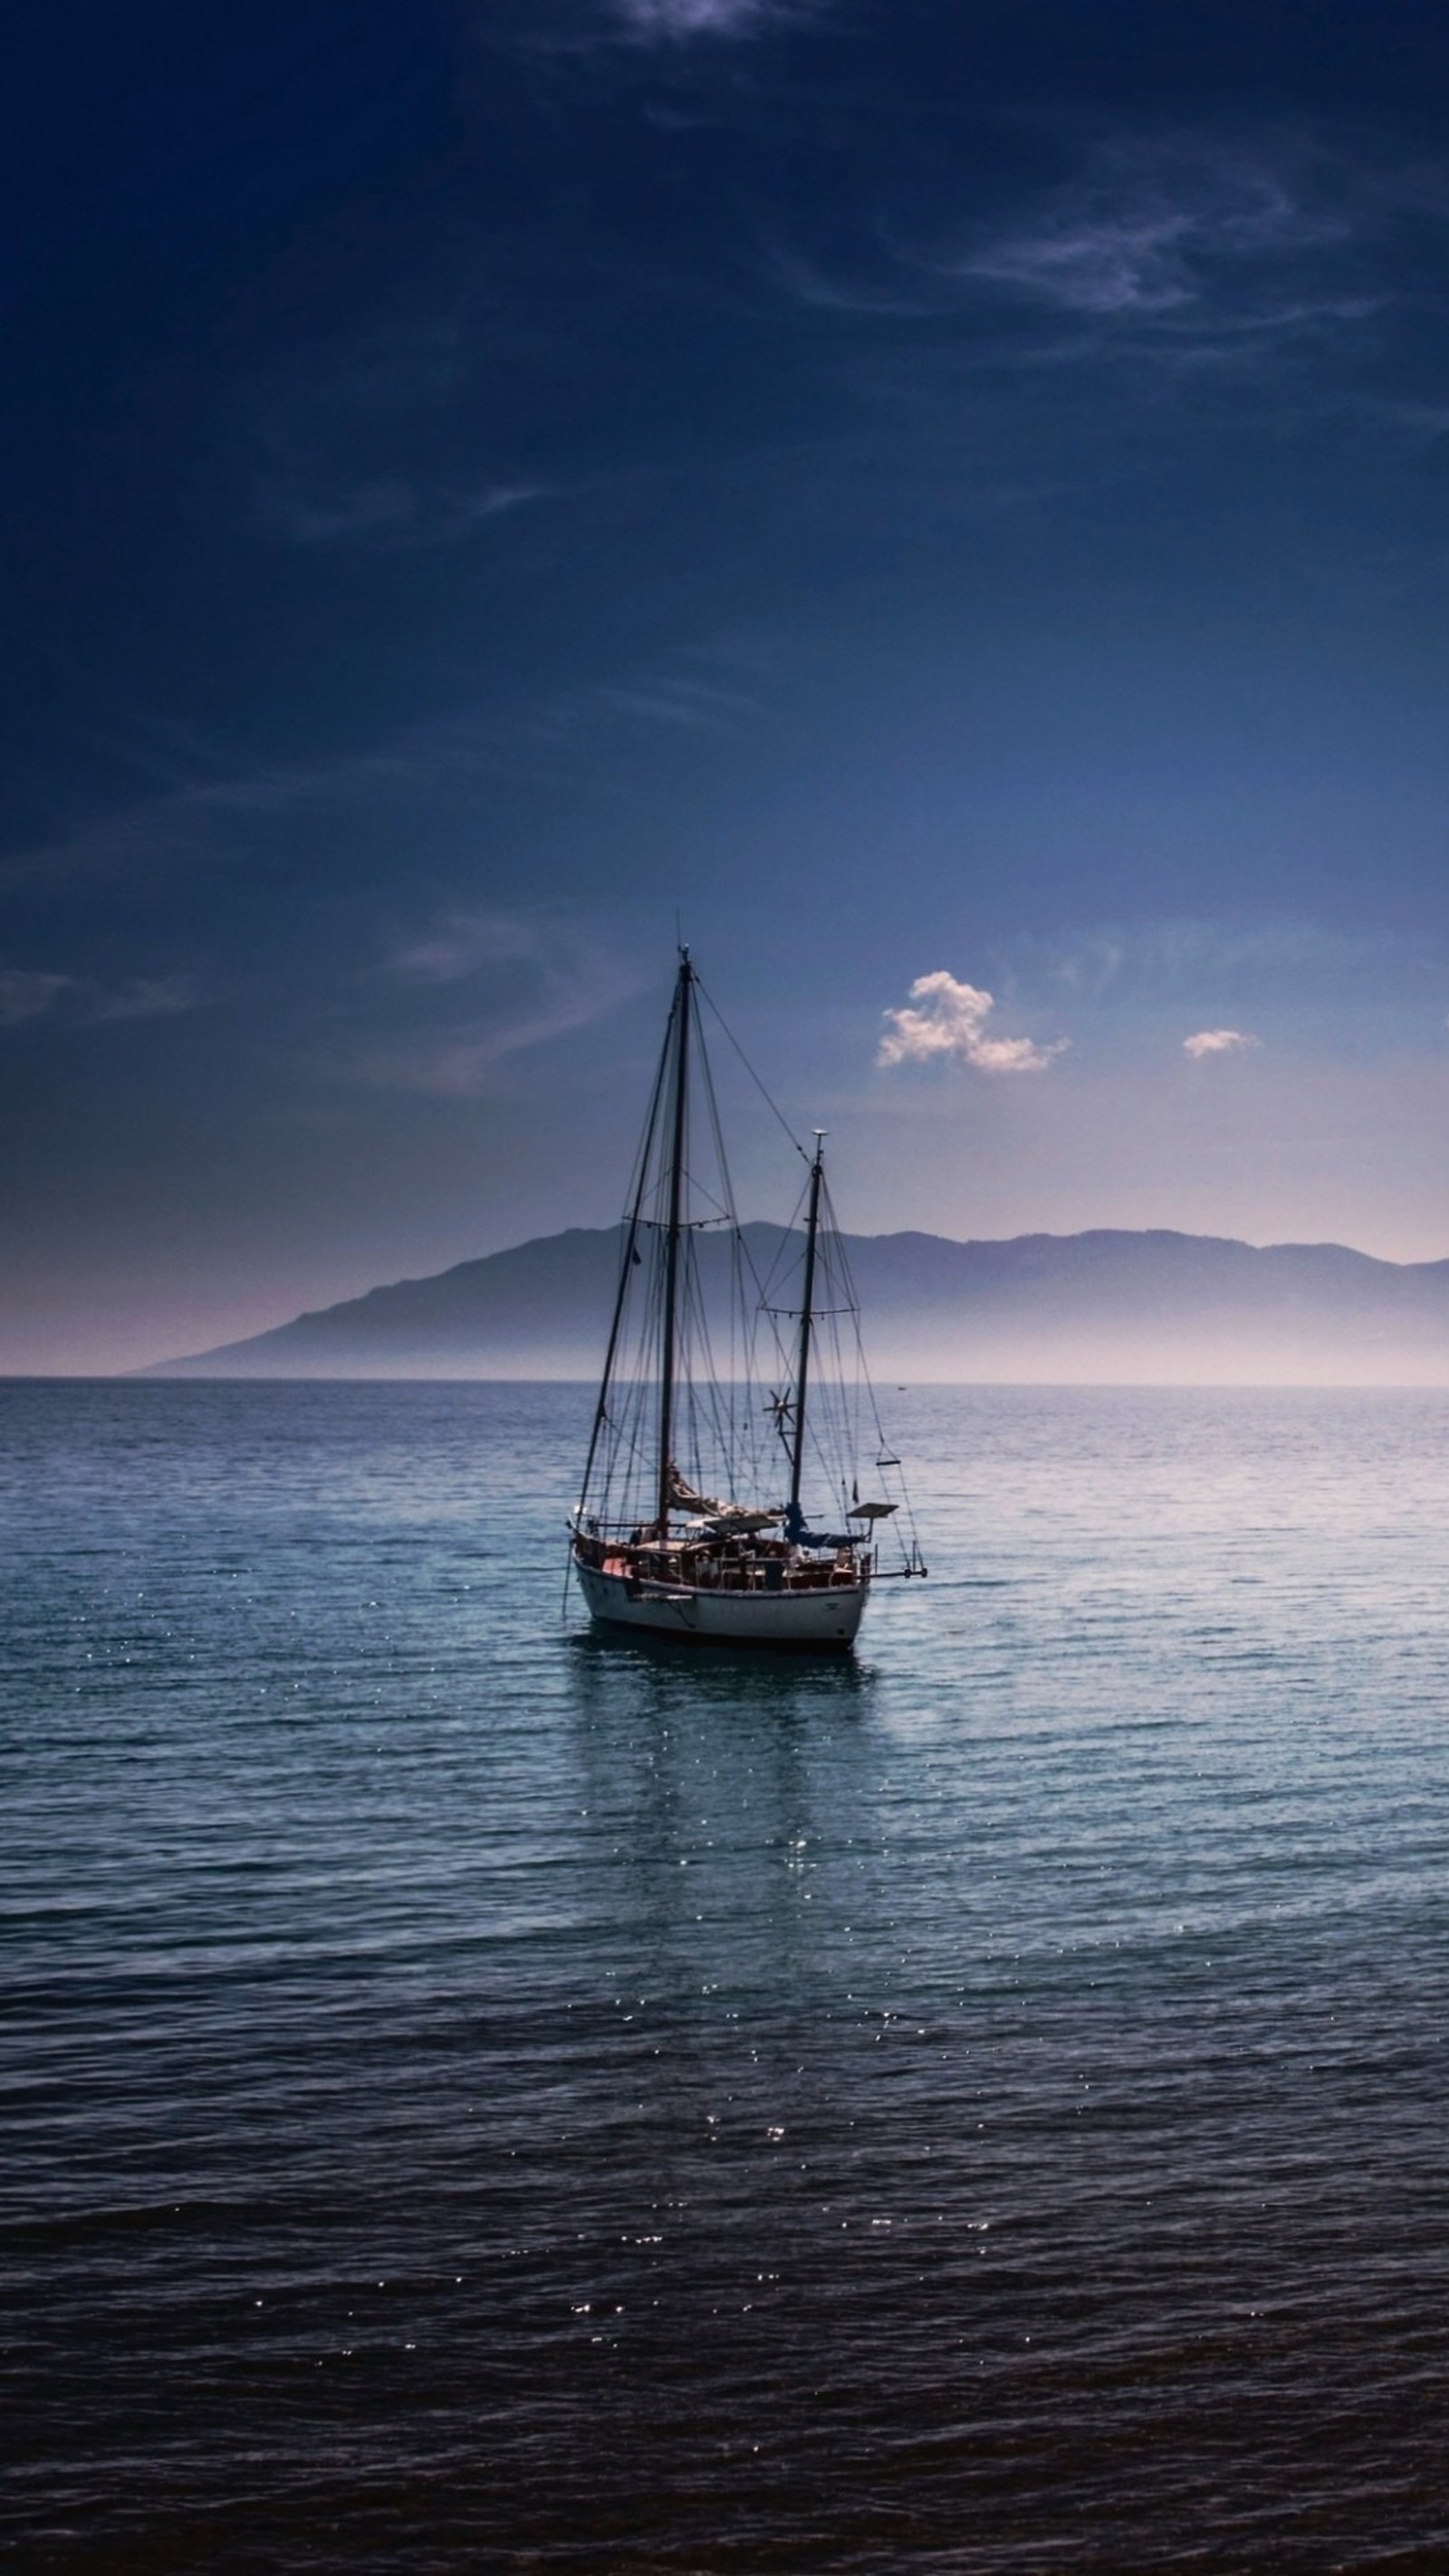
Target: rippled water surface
{"type": "Point", "coordinates": [480, 2098]}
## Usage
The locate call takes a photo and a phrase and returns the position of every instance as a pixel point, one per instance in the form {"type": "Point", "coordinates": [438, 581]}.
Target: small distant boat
{"type": "Point", "coordinates": [692, 1520]}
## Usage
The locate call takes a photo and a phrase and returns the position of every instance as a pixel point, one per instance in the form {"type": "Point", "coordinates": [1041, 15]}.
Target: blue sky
{"type": "Point", "coordinates": [941, 497]}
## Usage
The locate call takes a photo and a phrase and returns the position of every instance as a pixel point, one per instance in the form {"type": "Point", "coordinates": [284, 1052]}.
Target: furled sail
{"type": "Point", "coordinates": [721, 1518]}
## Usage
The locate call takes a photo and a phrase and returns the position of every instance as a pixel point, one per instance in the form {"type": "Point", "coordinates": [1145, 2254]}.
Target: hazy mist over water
{"type": "Point", "coordinates": [480, 2097]}
{"type": "Point", "coordinates": [1101, 1308]}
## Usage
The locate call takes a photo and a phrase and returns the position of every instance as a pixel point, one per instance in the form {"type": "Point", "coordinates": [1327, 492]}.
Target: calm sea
{"type": "Point", "coordinates": [479, 2098]}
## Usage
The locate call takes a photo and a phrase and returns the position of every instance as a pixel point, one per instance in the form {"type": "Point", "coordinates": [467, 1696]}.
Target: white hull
{"type": "Point", "coordinates": [822, 1620]}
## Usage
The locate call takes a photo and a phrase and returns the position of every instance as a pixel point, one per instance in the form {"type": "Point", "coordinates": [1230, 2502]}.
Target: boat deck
{"type": "Point", "coordinates": [728, 1566]}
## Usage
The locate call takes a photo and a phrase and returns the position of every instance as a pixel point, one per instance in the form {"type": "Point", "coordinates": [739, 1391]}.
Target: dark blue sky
{"type": "Point", "coordinates": [927, 492]}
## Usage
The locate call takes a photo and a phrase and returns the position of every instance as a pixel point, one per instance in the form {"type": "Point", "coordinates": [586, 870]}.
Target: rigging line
{"type": "Point", "coordinates": [789, 1252]}
{"type": "Point", "coordinates": [623, 1461]}
{"type": "Point", "coordinates": [738, 1249]}
{"type": "Point", "coordinates": [907, 1536]}
{"type": "Point", "coordinates": [761, 1307]}
{"type": "Point", "coordinates": [705, 1404]}
{"type": "Point", "coordinates": [638, 1179]}
{"type": "Point", "coordinates": [774, 1109]}
{"type": "Point", "coordinates": [716, 1129]}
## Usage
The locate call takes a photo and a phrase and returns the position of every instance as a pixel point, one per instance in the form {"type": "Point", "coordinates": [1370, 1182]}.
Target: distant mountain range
{"type": "Point", "coordinates": [1105, 1306]}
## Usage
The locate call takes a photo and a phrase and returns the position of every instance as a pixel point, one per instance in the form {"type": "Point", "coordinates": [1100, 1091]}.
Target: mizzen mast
{"type": "Point", "coordinates": [807, 1311]}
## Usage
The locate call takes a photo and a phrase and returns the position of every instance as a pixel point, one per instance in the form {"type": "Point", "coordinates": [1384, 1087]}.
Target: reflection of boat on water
{"type": "Point", "coordinates": [682, 1528]}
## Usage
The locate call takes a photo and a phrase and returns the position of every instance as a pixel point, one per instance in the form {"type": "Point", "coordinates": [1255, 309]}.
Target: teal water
{"type": "Point", "coordinates": [477, 2097]}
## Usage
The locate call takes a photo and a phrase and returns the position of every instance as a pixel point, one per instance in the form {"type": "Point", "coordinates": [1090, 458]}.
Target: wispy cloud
{"type": "Point", "coordinates": [384, 438]}
{"type": "Point", "coordinates": [26, 994]}
{"type": "Point", "coordinates": [947, 1018]}
{"type": "Point", "coordinates": [531, 979]}
{"type": "Point", "coordinates": [1156, 228]}
{"type": "Point", "coordinates": [391, 513]}
{"type": "Point", "coordinates": [1178, 962]}
{"type": "Point", "coordinates": [1219, 1042]}
{"type": "Point", "coordinates": [146, 997]}
{"type": "Point", "coordinates": [461, 944]}
{"type": "Point", "coordinates": [213, 819]}
{"type": "Point", "coordinates": [1187, 245]}
{"type": "Point", "coordinates": [674, 19]}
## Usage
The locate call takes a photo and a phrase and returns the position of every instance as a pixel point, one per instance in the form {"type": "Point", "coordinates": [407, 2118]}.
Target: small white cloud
{"type": "Point", "coordinates": [26, 996]}
{"type": "Point", "coordinates": [1219, 1042]}
{"type": "Point", "coordinates": [950, 1019]}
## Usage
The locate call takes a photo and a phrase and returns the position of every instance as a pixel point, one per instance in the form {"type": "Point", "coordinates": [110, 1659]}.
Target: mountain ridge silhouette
{"type": "Point", "coordinates": [1108, 1302]}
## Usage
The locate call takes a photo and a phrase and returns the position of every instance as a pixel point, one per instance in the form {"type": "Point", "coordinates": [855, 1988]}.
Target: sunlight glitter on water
{"type": "Point", "coordinates": [982, 2103]}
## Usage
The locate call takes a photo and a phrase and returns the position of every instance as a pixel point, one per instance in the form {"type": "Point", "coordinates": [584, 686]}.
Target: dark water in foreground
{"type": "Point", "coordinates": [480, 2099]}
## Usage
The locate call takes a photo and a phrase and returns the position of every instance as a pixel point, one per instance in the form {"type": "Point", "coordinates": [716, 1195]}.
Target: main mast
{"type": "Point", "coordinates": [669, 1347]}
{"type": "Point", "coordinates": [802, 1373]}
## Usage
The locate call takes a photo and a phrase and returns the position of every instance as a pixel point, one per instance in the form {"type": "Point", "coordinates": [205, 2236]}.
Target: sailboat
{"type": "Point", "coordinates": [714, 1509]}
